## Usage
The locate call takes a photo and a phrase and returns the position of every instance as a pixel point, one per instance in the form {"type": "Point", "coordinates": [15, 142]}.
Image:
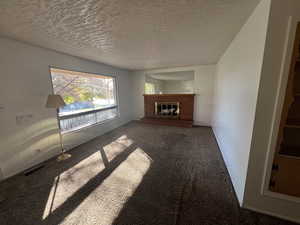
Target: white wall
{"type": "Point", "coordinates": [236, 88]}
{"type": "Point", "coordinates": [274, 75]}
{"type": "Point", "coordinates": [25, 84]}
{"type": "Point", "coordinates": [203, 88]}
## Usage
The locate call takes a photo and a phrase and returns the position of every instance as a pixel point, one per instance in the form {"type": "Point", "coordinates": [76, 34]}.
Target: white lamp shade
{"type": "Point", "coordinates": [55, 101]}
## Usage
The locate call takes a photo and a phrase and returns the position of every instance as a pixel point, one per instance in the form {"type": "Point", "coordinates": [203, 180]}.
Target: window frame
{"type": "Point", "coordinates": [74, 115]}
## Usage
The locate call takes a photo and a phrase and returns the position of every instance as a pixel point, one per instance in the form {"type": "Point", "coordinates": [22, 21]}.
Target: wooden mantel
{"type": "Point", "coordinates": [186, 108]}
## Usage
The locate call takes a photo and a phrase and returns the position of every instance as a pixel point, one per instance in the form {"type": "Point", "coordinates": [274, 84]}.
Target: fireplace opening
{"type": "Point", "coordinates": [167, 109]}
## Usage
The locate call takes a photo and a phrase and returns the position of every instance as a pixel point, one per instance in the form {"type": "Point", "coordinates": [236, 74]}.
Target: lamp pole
{"type": "Point", "coordinates": [63, 155]}
{"type": "Point", "coordinates": [59, 128]}
{"type": "Point", "coordinates": [56, 101]}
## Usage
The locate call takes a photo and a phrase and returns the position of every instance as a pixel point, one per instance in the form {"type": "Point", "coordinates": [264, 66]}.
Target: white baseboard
{"type": "Point", "coordinates": [271, 214]}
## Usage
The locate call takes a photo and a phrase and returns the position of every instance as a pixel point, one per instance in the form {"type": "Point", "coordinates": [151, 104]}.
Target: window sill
{"type": "Point", "coordinates": [89, 126]}
{"type": "Point", "coordinates": [86, 112]}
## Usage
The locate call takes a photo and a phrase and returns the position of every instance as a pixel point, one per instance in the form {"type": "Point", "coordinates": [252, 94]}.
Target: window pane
{"type": "Point", "coordinates": [82, 91]}
{"type": "Point", "coordinates": [149, 88]}
{"type": "Point", "coordinates": [84, 94]}
{"type": "Point", "coordinates": [81, 121]}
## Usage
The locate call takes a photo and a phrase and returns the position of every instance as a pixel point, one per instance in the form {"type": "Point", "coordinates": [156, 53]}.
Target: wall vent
{"type": "Point", "coordinates": [33, 169]}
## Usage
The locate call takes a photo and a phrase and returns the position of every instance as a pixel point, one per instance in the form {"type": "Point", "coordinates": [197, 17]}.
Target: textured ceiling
{"type": "Point", "coordinates": [132, 34]}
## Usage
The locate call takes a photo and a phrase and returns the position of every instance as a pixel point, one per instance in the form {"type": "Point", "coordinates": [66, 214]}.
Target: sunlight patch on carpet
{"type": "Point", "coordinates": [116, 147]}
{"type": "Point", "coordinates": [110, 197]}
{"type": "Point", "coordinates": [71, 180]}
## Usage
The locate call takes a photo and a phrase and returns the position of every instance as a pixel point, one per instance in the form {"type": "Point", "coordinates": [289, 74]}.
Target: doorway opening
{"type": "Point", "coordinates": [285, 176]}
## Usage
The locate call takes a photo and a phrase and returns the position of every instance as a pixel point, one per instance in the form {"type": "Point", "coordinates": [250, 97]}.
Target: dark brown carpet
{"type": "Point", "coordinates": [137, 174]}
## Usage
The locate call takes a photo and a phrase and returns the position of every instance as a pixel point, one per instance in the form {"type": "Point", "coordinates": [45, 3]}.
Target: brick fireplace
{"type": "Point", "coordinates": [169, 109]}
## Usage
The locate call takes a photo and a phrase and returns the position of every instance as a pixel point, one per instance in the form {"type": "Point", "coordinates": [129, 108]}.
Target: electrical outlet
{"type": "Point", "coordinates": [23, 119]}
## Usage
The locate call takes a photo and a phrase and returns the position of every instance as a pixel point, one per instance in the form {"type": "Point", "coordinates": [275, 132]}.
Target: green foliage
{"type": "Point", "coordinates": [69, 99]}
{"type": "Point", "coordinates": [100, 96]}
{"type": "Point", "coordinates": [149, 88]}
{"type": "Point", "coordinates": [86, 96]}
{"type": "Point", "coordinates": [81, 89]}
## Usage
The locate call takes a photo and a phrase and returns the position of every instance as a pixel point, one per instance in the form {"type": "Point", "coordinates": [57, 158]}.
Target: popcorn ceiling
{"type": "Point", "coordinates": [132, 34]}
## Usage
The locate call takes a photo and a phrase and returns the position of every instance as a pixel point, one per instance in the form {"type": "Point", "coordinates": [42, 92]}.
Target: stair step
{"type": "Point", "coordinates": [294, 110]}
{"type": "Point", "coordinates": [289, 150]}
{"type": "Point", "coordinates": [291, 135]}
{"type": "Point", "coordinates": [297, 78]}
{"type": "Point", "coordinates": [292, 126]}
{"type": "Point", "coordinates": [293, 122]}
{"type": "Point", "coordinates": [297, 97]}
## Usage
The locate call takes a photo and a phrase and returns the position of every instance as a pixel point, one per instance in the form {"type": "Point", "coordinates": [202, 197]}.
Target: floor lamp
{"type": "Point", "coordinates": [55, 102]}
